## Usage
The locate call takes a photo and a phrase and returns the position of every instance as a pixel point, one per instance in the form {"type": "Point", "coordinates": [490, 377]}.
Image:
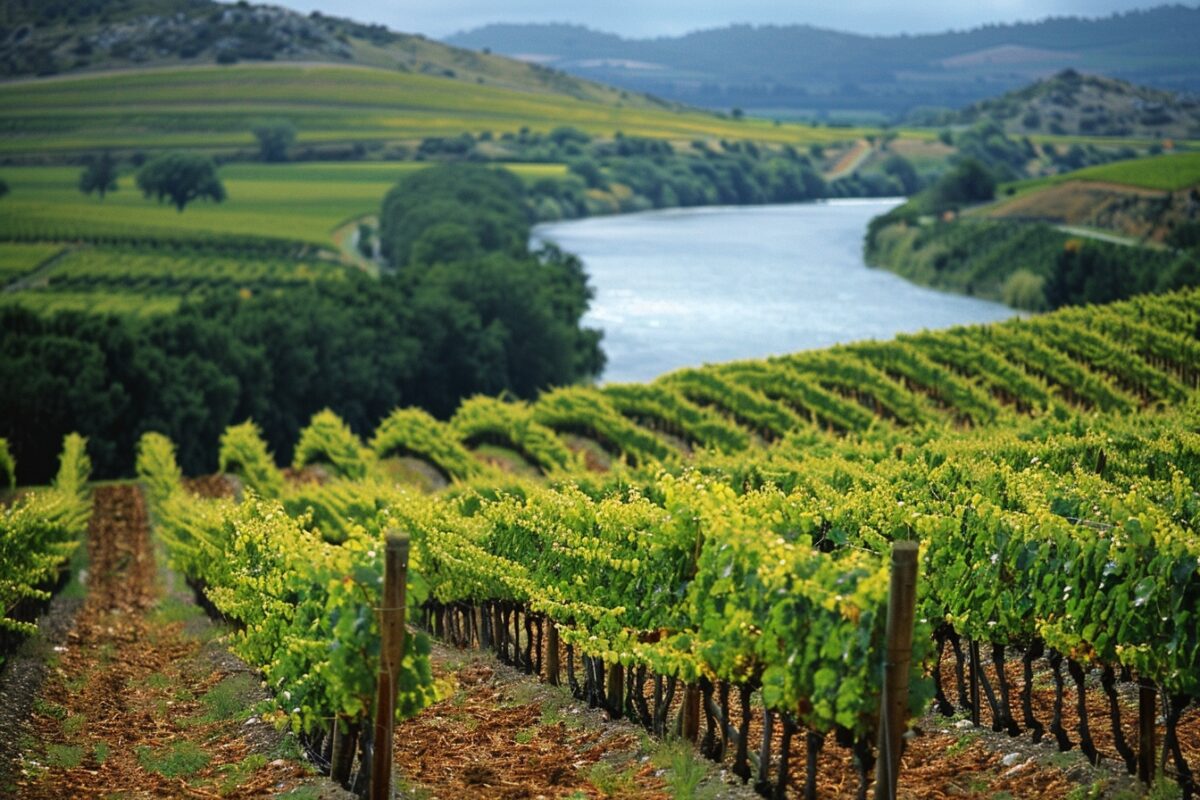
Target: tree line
{"type": "Point", "coordinates": [489, 318]}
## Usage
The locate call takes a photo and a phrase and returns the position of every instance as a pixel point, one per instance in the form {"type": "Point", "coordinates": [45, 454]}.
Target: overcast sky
{"type": "Point", "coordinates": [644, 18]}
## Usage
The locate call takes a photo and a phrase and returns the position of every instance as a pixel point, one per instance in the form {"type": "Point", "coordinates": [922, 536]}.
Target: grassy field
{"type": "Point", "coordinates": [217, 107]}
{"type": "Point", "coordinates": [1167, 173]}
{"type": "Point", "coordinates": [302, 202]}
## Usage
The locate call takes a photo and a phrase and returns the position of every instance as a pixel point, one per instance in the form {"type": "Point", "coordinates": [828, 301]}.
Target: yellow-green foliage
{"type": "Point", "coordinates": [41, 531]}
{"type": "Point", "coordinates": [74, 466]}
{"type": "Point", "coordinates": [668, 410]}
{"type": "Point", "coordinates": [244, 452]}
{"type": "Point", "coordinates": [328, 439]}
{"type": "Point", "coordinates": [587, 412]}
{"type": "Point", "coordinates": [156, 466]}
{"type": "Point", "coordinates": [8, 466]}
{"type": "Point", "coordinates": [18, 259]}
{"type": "Point", "coordinates": [1167, 173]}
{"type": "Point", "coordinates": [413, 432]}
{"type": "Point", "coordinates": [487, 418]}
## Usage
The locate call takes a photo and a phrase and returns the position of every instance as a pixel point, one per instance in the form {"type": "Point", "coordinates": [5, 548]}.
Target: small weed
{"type": "Point", "coordinates": [288, 749]}
{"type": "Point", "coordinates": [49, 709]}
{"type": "Point", "coordinates": [174, 609]}
{"type": "Point", "coordinates": [610, 781]}
{"type": "Point", "coordinates": [1163, 788]}
{"type": "Point", "coordinates": [175, 761]}
{"type": "Point", "coordinates": [412, 791]}
{"type": "Point", "coordinates": [64, 756]}
{"type": "Point", "coordinates": [229, 698]}
{"type": "Point", "coordinates": [523, 694]}
{"type": "Point", "coordinates": [554, 711]}
{"type": "Point", "coordinates": [684, 772]}
{"type": "Point", "coordinates": [74, 724]}
{"type": "Point", "coordinates": [960, 744]}
{"type": "Point", "coordinates": [526, 736]}
{"type": "Point", "coordinates": [100, 752]}
{"type": "Point", "coordinates": [237, 774]}
{"type": "Point", "coordinates": [157, 680]}
{"type": "Point", "coordinates": [979, 782]}
{"type": "Point", "coordinates": [1092, 792]}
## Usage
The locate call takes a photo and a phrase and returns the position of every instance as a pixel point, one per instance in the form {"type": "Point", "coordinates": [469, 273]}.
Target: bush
{"type": "Point", "coordinates": [274, 139]}
{"type": "Point", "coordinates": [1025, 290]}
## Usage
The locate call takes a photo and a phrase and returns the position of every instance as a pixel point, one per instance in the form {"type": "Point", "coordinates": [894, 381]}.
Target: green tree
{"type": "Point", "coordinates": [3, 187]}
{"type": "Point", "coordinates": [969, 182]}
{"type": "Point", "coordinates": [99, 176]}
{"type": "Point", "coordinates": [902, 170]}
{"type": "Point", "coordinates": [274, 139]}
{"type": "Point", "coordinates": [181, 178]}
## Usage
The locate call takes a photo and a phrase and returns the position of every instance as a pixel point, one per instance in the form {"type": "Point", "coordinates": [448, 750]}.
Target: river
{"type": "Point", "coordinates": [686, 287]}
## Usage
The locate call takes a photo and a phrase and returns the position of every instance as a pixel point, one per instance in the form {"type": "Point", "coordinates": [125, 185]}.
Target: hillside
{"type": "Point", "coordinates": [804, 71]}
{"type": "Point", "coordinates": [1089, 236]}
{"type": "Point", "coordinates": [1141, 199]}
{"type": "Point", "coordinates": [1070, 103]}
{"type": "Point", "coordinates": [332, 106]}
{"type": "Point", "coordinates": [43, 39]}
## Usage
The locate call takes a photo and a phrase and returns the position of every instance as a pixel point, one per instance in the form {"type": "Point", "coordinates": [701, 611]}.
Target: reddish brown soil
{"type": "Point", "coordinates": [128, 683]}
{"type": "Point", "coordinates": [492, 739]}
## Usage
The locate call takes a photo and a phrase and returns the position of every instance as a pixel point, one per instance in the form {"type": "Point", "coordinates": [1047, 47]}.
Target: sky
{"type": "Point", "coordinates": [649, 18]}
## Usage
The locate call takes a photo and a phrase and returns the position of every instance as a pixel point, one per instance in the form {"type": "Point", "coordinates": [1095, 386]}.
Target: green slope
{"type": "Point", "coordinates": [216, 108]}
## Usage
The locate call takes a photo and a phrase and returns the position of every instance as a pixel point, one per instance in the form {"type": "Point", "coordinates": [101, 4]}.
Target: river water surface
{"type": "Point", "coordinates": [687, 287]}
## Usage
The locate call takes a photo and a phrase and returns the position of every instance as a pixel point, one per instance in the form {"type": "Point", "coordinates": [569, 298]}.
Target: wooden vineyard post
{"type": "Point", "coordinates": [893, 710]}
{"type": "Point", "coordinates": [1147, 710]}
{"type": "Point", "coordinates": [391, 626]}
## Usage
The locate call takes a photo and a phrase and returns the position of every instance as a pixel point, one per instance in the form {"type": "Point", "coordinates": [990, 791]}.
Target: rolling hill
{"type": "Point", "coordinates": [804, 71]}
{"type": "Point", "coordinates": [216, 108]}
{"type": "Point", "coordinates": [1070, 103]}
{"type": "Point", "coordinates": [50, 38]}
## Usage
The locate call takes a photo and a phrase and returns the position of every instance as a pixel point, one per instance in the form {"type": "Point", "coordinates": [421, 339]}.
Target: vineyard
{"type": "Point", "coordinates": [39, 532]}
{"type": "Point", "coordinates": [708, 555]}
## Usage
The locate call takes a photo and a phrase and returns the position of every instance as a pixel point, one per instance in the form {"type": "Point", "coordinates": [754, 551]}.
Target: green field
{"type": "Point", "coordinates": [300, 202]}
{"type": "Point", "coordinates": [216, 108]}
{"type": "Point", "coordinates": [18, 259]}
{"type": "Point", "coordinates": [1167, 173]}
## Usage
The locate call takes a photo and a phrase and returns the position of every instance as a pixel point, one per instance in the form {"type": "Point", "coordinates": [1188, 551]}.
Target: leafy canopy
{"type": "Point", "coordinates": [181, 178]}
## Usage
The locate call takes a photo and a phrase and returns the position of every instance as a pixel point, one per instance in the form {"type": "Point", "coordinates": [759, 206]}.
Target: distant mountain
{"type": "Point", "coordinates": [49, 37]}
{"type": "Point", "coordinates": [796, 70]}
{"type": "Point", "coordinates": [1071, 103]}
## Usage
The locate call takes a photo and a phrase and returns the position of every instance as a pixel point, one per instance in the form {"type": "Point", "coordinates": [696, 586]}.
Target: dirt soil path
{"type": "Point", "coordinates": [502, 734]}
{"type": "Point", "coordinates": [142, 700]}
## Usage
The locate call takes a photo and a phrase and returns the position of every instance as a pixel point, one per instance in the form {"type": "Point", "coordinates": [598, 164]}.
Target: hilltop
{"type": "Point", "coordinates": [1070, 103]}
{"type": "Point", "coordinates": [802, 71]}
{"type": "Point", "coordinates": [51, 38]}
